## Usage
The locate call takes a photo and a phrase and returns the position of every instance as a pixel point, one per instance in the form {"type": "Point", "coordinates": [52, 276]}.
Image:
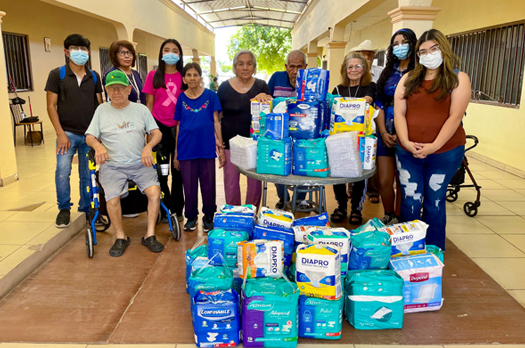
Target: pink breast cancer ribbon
{"type": "Point", "coordinates": [171, 90]}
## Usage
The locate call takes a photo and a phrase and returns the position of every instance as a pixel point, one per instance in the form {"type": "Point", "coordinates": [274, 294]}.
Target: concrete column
{"type": "Point", "coordinates": [417, 18]}
{"type": "Point", "coordinates": [335, 57]}
{"type": "Point", "coordinates": [196, 58]}
{"type": "Point", "coordinates": [213, 66]}
{"type": "Point", "coordinates": [8, 167]}
{"type": "Point", "coordinates": [312, 54]}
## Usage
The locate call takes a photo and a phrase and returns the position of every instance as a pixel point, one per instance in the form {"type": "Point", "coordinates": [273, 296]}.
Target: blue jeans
{"type": "Point", "coordinates": [424, 182]}
{"type": "Point", "coordinates": [63, 172]}
{"type": "Point", "coordinates": [280, 193]}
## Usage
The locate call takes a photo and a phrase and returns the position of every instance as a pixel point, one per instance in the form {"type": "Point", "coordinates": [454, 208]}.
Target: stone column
{"type": "Point", "coordinates": [417, 18]}
{"type": "Point", "coordinates": [312, 54]}
{"type": "Point", "coordinates": [213, 66]}
{"type": "Point", "coordinates": [8, 167]}
{"type": "Point", "coordinates": [336, 55]}
{"type": "Point", "coordinates": [196, 58]}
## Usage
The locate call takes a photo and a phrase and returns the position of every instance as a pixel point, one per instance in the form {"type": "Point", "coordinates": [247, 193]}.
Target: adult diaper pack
{"type": "Point", "coordinates": [277, 233]}
{"type": "Point", "coordinates": [320, 318]}
{"type": "Point", "coordinates": [343, 155]}
{"type": "Point", "coordinates": [334, 237]}
{"type": "Point", "coordinates": [351, 114]}
{"type": "Point", "coordinates": [304, 119]}
{"type": "Point", "coordinates": [374, 300]}
{"type": "Point", "coordinates": [269, 313]}
{"type": "Point", "coordinates": [260, 258]}
{"type": "Point", "coordinates": [243, 152]}
{"type": "Point", "coordinates": [245, 209]}
{"type": "Point", "coordinates": [237, 222]}
{"type": "Point", "coordinates": [407, 238]}
{"type": "Point", "coordinates": [216, 319]}
{"type": "Point", "coordinates": [436, 251]}
{"type": "Point", "coordinates": [316, 220]}
{"type": "Point", "coordinates": [370, 250]}
{"type": "Point", "coordinates": [301, 232]}
{"type": "Point", "coordinates": [224, 242]}
{"type": "Point", "coordinates": [275, 217]}
{"type": "Point", "coordinates": [274, 156]}
{"type": "Point", "coordinates": [210, 278]}
{"type": "Point", "coordinates": [367, 151]}
{"type": "Point", "coordinates": [191, 255]}
{"type": "Point", "coordinates": [422, 275]}
{"type": "Point", "coordinates": [310, 158]}
{"type": "Point", "coordinates": [257, 108]}
{"type": "Point", "coordinates": [276, 126]}
{"type": "Point", "coordinates": [318, 271]}
{"type": "Point", "coordinates": [312, 84]}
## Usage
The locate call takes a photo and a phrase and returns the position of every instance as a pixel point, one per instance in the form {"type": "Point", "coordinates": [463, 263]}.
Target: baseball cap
{"type": "Point", "coordinates": [116, 77]}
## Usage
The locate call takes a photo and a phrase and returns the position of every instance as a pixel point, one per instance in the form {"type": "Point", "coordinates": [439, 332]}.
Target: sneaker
{"type": "Point", "coordinates": [280, 204]}
{"type": "Point", "coordinates": [153, 244]}
{"type": "Point", "coordinates": [180, 218]}
{"type": "Point", "coordinates": [191, 225]}
{"type": "Point", "coordinates": [63, 218]}
{"type": "Point", "coordinates": [130, 215]}
{"type": "Point", "coordinates": [207, 223]}
{"type": "Point", "coordinates": [303, 205]}
{"type": "Point", "coordinates": [119, 247]}
{"type": "Point", "coordinates": [389, 219]}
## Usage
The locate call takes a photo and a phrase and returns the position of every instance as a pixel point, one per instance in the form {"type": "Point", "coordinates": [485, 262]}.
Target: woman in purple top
{"type": "Point", "coordinates": [162, 88]}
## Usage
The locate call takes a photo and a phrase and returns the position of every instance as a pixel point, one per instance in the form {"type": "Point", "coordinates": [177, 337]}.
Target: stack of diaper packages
{"type": "Point", "coordinates": [371, 248]}
{"type": "Point", "coordinates": [257, 108]}
{"type": "Point", "coordinates": [318, 276]}
{"type": "Point", "coordinates": [343, 155]}
{"type": "Point", "coordinates": [243, 152]}
{"type": "Point", "coordinates": [210, 278]}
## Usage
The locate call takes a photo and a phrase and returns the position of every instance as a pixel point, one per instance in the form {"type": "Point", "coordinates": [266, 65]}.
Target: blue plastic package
{"type": "Point", "coordinates": [317, 220]}
{"type": "Point", "coordinates": [224, 242]}
{"type": "Point", "coordinates": [274, 156]}
{"type": "Point", "coordinates": [304, 119]}
{"type": "Point", "coordinates": [310, 158]}
{"type": "Point", "coordinates": [320, 318]}
{"type": "Point", "coordinates": [312, 84]}
{"type": "Point", "coordinates": [277, 233]}
{"type": "Point", "coordinates": [277, 126]}
{"type": "Point", "coordinates": [234, 222]}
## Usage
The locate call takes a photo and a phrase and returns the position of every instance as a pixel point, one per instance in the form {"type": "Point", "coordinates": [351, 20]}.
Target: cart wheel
{"type": "Point", "coordinates": [89, 242]}
{"type": "Point", "coordinates": [175, 232]}
{"type": "Point", "coordinates": [452, 195]}
{"type": "Point", "coordinates": [470, 209]}
{"type": "Point", "coordinates": [106, 222]}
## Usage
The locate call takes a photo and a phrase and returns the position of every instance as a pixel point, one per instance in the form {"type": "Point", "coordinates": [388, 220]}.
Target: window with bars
{"type": "Point", "coordinates": [494, 60]}
{"type": "Point", "coordinates": [105, 63]}
{"type": "Point", "coordinates": [143, 66]}
{"type": "Point", "coordinates": [17, 62]}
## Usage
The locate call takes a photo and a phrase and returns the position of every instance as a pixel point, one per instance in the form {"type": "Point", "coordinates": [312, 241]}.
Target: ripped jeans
{"type": "Point", "coordinates": [424, 182]}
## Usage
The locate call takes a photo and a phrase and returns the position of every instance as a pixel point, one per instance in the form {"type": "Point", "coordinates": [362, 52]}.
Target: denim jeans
{"type": "Point", "coordinates": [280, 193]}
{"type": "Point", "coordinates": [424, 183]}
{"type": "Point", "coordinates": [63, 172]}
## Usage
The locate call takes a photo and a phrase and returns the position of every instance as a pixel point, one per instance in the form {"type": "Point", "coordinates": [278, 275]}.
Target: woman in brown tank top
{"type": "Point", "coordinates": [429, 105]}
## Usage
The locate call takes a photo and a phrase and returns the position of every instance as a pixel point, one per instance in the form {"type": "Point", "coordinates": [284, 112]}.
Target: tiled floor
{"type": "Point", "coordinates": [494, 239]}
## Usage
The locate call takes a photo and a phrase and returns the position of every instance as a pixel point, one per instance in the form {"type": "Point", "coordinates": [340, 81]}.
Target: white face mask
{"type": "Point", "coordinates": [431, 60]}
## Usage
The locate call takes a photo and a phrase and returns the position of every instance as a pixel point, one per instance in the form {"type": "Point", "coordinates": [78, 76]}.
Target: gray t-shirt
{"type": "Point", "coordinates": [122, 131]}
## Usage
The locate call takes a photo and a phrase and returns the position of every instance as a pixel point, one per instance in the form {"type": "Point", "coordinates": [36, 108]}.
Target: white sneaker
{"type": "Point", "coordinates": [130, 215]}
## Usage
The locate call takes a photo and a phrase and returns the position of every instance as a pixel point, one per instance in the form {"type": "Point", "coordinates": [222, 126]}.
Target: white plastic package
{"type": "Point", "coordinates": [343, 155]}
{"type": "Point", "coordinates": [243, 152]}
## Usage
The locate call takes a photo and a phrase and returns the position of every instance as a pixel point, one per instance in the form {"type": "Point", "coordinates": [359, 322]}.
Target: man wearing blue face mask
{"type": "Point", "coordinates": [73, 94]}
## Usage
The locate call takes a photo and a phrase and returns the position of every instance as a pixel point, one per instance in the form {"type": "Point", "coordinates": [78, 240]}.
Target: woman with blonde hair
{"type": "Point", "coordinates": [356, 82]}
{"type": "Point", "coordinates": [430, 102]}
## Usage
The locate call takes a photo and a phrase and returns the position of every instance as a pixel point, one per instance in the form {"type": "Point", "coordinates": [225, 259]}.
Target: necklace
{"type": "Point", "coordinates": [133, 84]}
{"type": "Point", "coordinates": [350, 94]}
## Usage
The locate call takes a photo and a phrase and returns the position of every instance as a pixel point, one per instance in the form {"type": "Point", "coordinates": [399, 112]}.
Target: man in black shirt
{"type": "Point", "coordinates": [73, 94]}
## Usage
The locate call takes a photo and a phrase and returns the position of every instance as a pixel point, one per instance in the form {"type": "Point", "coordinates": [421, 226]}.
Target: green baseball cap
{"type": "Point", "coordinates": [116, 77]}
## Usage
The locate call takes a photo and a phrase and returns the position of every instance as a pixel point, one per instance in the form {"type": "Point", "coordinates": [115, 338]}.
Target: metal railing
{"type": "Point", "coordinates": [105, 62]}
{"type": "Point", "coordinates": [17, 61]}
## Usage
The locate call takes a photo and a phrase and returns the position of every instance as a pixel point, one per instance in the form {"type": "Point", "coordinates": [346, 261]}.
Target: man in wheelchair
{"type": "Point", "coordinates": [123, 155]}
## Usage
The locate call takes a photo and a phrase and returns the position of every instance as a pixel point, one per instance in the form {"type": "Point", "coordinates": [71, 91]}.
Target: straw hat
{"type": "Point", "coordinates": [364, 46]}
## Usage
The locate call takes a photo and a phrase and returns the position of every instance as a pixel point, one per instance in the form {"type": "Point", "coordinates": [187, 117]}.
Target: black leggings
{"type": "Point", "coordinates": [358, 195]}
{"type": "Point", "coordinates": [174, 198]}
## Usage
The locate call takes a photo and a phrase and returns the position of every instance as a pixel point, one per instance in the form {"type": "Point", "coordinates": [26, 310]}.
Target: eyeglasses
{"type": "Point", "coordinates": [357, 67]}
{"type": "Point", "coordinates": [125, 53]}
{"type": "Point", "coordinates": [77, 48]}
{"type": "Point", "coordinates": [432, 49]}
{"type": "Point", "coordinates": [119, 88]}
{"type": "Point", "coordinates": [404, 42]}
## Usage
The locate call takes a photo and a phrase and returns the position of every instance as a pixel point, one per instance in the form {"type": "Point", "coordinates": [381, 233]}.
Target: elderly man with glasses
{"type": "Point", "coordinates": [123, 155]}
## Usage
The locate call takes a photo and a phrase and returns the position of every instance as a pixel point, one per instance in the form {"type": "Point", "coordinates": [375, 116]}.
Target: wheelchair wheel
{"type": "Point", "coordinates": [470, 209]}
{"type": "Point", "coordinates": [104, 224]}
{"type": "Point", "coordinates": [452, 195]}
{"type": "Point", "coordinates": [89, 242]}
{"type": "Point", "coordinates": [175, 232]}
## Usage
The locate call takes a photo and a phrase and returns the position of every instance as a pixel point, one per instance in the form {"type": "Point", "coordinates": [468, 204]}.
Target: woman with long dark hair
{"type": "Point", "coordinates": [162, 88]}
{"type": "Point", "coordinates": [430, 102]}
{"type": "Point", "coordinates": [400, 59]}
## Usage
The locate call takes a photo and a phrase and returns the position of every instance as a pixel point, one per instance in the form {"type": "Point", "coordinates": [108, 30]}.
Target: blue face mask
{"type": "Point", "coordinates": [170, 58]}
{"type": "Point", "coordinates": [79, 57]}
{"type": "Point", "coordinates": [401, 51]}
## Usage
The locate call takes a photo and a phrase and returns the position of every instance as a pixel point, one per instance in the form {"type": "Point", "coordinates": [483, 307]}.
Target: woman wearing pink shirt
{"type": "Point", "coordinates": [162, 88]}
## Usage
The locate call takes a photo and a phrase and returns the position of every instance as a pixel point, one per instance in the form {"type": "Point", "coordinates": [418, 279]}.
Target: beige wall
{"type": "Point", "coordinates": [379, 33]}
{"type": "Point", "coordinates": [149, 45]}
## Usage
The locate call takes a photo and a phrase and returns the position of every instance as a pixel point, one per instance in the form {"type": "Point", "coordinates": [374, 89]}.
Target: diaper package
{"type": "Point", "coordinates": [343, 155]}
{"type": "Point", "coordinates": [316, 220]}
{"type": "Point", "coordinates": [269, 313]}
{"type": "Point", "coordinates": [277, 233]}
{"type": "Point", "coordinates": [275, 217]}
{"type": "Point", "coordinates": [370, 250]}
{"type": "Point", "coordinates": [260, 258]}
{"type": "Point", "coordinates": [351, 114]}
{"type": "Point", "coordinates": [237, 281]}
{"type": "Point", "coordinates": [368, 151]}
{"type": "Point", "coordinates": [304, 119]}
{"type": "Point", "coordinates": [210, 278]}
{"type": "Point", "coordinates": [318, 271]}
{"type": "Point", "coordinates": [277, 126]}
{"type": "Point", "coordinates": [216, 319]}
{"type": "Point", "coordinates": [274, 156]}
{"type": "Point", "coordinates": [407, 238]}
{"type": "Point", "coordinates": [245, 209]}
{"type": "Point", "coordinates": [243, 152]}
{"type": "Point", "coordinates": [320, 318]}
{"type": "Point", "coordinates": [334, 237]}
{"type": "Point", "coordinates": [422, 275]}
{"type": "Point", "coordinates": [374, 300]}
{"type": "Point", "coordinates": [280, 104]}
{"type": "Point", "coordinates": [436, 251]}
{"type": "Point", "coordinates": [191, 255]}
{"type": "Point", "coordinates": [310, 158]}
{"type": "Point", "coordinates": [312, 84]}
{"type": "Point", "coordinates": [257, 108]}
{"type": "Point", "coordinates": [237, 222]}
{"type": "Point", "coordinates": [301, 232]}
{"type": "Point", "coordinates": [224, 242]}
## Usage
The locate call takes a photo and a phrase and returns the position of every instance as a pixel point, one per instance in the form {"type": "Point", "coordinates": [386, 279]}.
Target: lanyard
{"type": "Point", "coordinates": [133, 84]}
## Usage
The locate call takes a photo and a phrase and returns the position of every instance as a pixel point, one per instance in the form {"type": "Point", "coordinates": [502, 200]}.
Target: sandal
{"type": "Point", "coordinates": [373, 199]}
{"type": "Point", "coordinates": [356, 218]}
{"type": "Point", "coordinates": [338, 215]}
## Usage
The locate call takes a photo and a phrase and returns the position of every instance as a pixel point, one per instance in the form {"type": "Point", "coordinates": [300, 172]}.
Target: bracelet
{"type": "Point", "coordinates": [383, 133]}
